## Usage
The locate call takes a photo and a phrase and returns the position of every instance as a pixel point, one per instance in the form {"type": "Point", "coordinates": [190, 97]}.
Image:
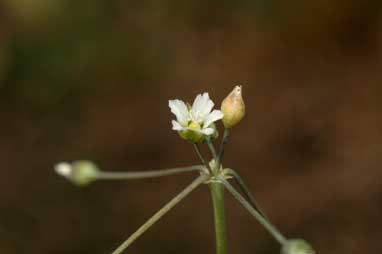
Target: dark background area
{"type": "Point", "coordinates": [91, 79]}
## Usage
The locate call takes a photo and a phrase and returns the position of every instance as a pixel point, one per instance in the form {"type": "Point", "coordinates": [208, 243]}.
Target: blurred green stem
{"type": "Point", "coordinates": [146, 174]}
{"type": "Point", "coordinates": [158, 215]}
{"type": "Point", "coordinates": [217, 193]}
{"type": "Point", "coordinates": [263, 221]}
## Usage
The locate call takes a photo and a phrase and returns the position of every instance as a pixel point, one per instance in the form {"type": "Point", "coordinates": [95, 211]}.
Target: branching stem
{"type": "Point", "coordinates": [198, 181]}
{"type": "Point", "coordinates": [243, 187]}
{"type": "Point", "coordinates": [269, 226]}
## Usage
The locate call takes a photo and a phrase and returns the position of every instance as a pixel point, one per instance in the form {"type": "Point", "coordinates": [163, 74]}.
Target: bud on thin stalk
{"type": "Point", "coordinates": [79, 172]}
{"type": "Point", "coordinates": [233, 108]}
{"type": "Point", "coordinates": [296, 246]}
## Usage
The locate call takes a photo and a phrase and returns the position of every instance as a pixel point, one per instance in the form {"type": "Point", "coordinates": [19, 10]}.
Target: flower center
{"type": "Point", "coordinates": [194, 126]}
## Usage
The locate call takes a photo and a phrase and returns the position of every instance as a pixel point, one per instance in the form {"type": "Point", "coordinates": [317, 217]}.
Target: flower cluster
{"type": "Point", "coordinates": [195, 123]}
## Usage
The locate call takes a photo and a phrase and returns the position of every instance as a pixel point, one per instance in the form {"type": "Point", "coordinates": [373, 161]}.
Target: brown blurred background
{"type": "Point", "coordinates": [91, 79]}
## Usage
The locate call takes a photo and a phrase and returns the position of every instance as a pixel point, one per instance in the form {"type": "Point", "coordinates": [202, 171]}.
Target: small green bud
{"type": "Point", "coordinates": [233, 108]}
{"type": "Point", "coordinates": [297, 246]}
{"type": "Point", "coordinates": [80, 172]}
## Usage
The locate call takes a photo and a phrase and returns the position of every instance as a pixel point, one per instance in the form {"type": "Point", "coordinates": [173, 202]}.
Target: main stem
{"type": "Point", "coordinates": [217, 193]}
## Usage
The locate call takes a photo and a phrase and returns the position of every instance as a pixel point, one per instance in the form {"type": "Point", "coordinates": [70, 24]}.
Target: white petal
{"type": "Point", "coordinates": [201, 107]}
{"type": "Point", "coordinates": [63, 168]}
{"type": "Point", "coordinates": [212, 117]}
{"type": "Point", "coordinates": [196, 107]}
{"type": "Point", "coordinates": [176, 126]}
{"type": "Point", "coordinates": [207, 131]}
{"type": "Point", "coordinates": [206, 109]}
{"type": "Point", "coordinates": [180, 110]}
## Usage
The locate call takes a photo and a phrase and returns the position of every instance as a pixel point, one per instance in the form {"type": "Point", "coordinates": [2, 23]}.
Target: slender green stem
{"type": "Point", "coordinates": [263, 221]}
{"type": "Point", "coordinates": [212, 148]}
{"type": "Point", "coordinates": [217, 193]}
{"type": "Point", "coordinates": [243, 187]}
{"type": "Point", "coordinates": [201, 157]}
{"type": "Point", "coordinates": [158, 215]}
{"type": "Point", "coordinates": [214, 155]}
{"type": "Point", "coordinates": [146, 174]}
{"type": "Point", "coordinates": [223, 143]}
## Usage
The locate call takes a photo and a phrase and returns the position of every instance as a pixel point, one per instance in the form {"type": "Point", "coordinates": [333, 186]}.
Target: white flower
{"type": "Point", "coordinates": [197, 119]}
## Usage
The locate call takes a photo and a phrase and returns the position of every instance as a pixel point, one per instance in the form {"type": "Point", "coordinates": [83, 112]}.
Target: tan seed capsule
{"type": "Point", "coordinates": [233, 108]}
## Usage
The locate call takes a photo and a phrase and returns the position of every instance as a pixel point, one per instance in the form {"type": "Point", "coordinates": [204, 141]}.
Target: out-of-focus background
{"type": "Point", "coordinates": [91, 79]}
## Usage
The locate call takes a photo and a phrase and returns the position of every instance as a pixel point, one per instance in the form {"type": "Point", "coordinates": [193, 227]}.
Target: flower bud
{"type": "Point", "coordinates": [233, 108]}
{"type": "Point", "coordinates": [79, 172]}
{"type": "Point", "coordinates": [296, 246]}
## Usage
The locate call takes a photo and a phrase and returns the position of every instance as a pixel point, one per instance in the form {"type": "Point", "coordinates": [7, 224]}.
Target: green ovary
{"type": "Point", "coordinates": [191, 135]}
